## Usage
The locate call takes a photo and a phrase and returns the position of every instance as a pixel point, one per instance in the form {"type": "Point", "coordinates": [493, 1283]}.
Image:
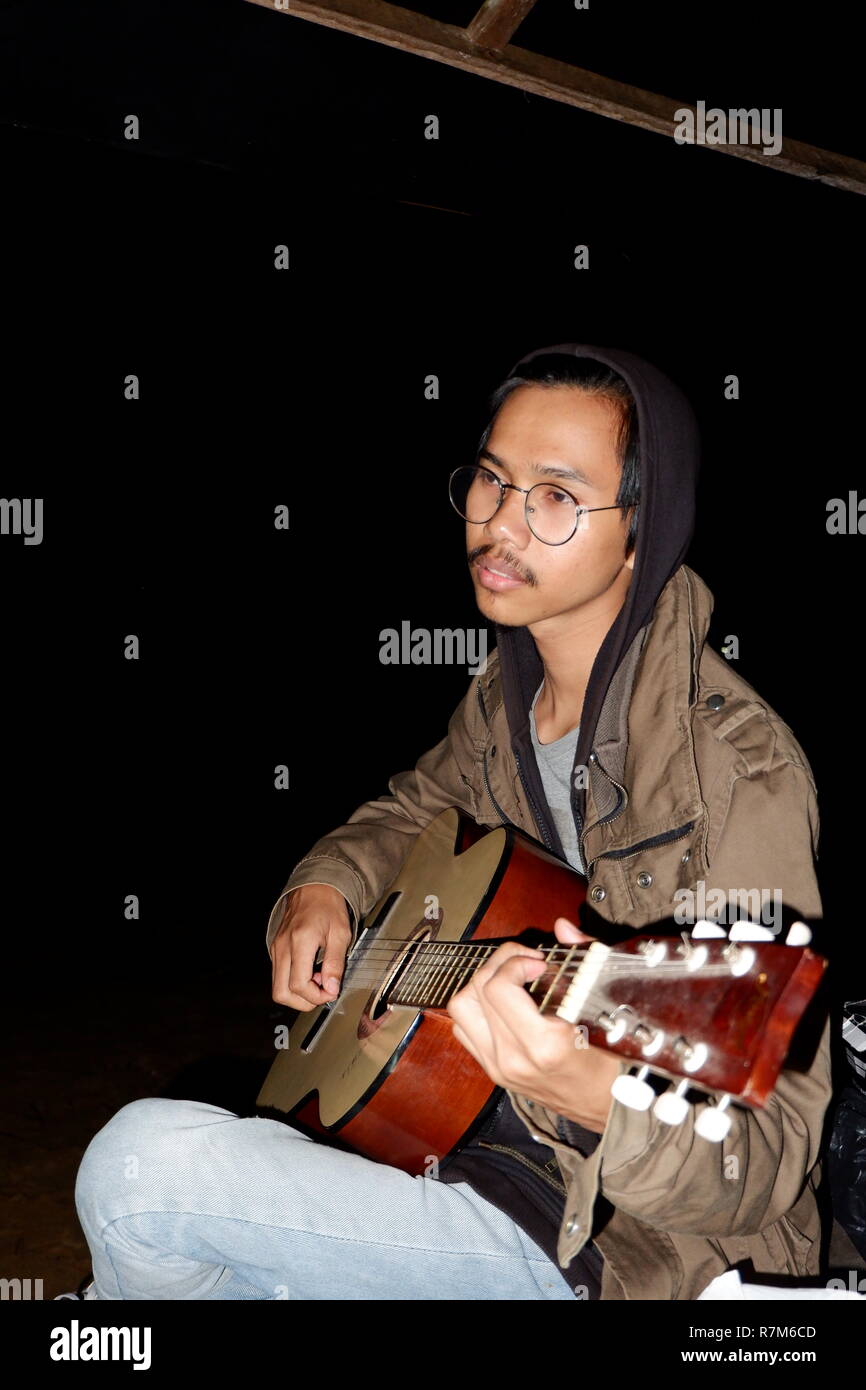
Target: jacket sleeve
{"type": "Point", "coordinates": [363, 856]}
{"type": "Point", "coordinates": [671, 1178]}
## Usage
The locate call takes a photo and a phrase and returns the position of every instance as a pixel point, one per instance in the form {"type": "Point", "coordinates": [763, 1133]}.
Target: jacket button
{"type": "Point", "coordinates": [593, 758]}
{"type": "Point", "coordinates": [597, 894]}
{"type": "Point", "coordinates": [644, 880]}
{"type": "Point", "coordinates": [687, 856]}
{"type": "Point", "coordinates": [530, 1104]}
{"type": "Point", "coordinates": [715, 701]}
{"type": "Point", "coordinates": [572, 1225]}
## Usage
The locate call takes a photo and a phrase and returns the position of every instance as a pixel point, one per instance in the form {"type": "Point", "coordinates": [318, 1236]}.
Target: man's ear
{"type": "Point", "coordinates": [629, 564]}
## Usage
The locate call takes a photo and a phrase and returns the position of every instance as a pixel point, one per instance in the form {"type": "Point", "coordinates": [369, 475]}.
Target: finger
{"type": "Point", "coordinates": [518, 969]}
{"type": "Point", "coordinates": [467, 1013]}
{"type": "Point", "coordinates": [514, 1009]}
{"type": "Point", "coordinates": [291, 1000]}
{"type": "Point", "coordinates": [301, 984]}
{"type": "Point", "coordinates": [502, 953]}
{"type": "Point", "coordinates": [568, 933]}
{"type": "Point", "coordinates": [335, 959]}
{"type": "Point", "coordinates": [281, 990]}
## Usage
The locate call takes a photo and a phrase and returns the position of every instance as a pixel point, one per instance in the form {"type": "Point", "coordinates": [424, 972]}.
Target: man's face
{"type": "Point", "coordinates": [562, 428]}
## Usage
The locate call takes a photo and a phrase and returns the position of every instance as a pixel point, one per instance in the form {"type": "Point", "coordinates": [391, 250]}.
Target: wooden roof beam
{"type": "Point", "coordinates": [496, 21]}
{"type": "Point", "coordinates": [547, 77]}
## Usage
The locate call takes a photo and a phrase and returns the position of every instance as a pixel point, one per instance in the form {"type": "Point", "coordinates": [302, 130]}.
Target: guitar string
{"type": "Point", "coordinates": [432, 968]}
{"type": "Point", "coordinates": [427, 949]}
{"type": "Point", "coordinates": [441, 979]}
{"type": "Point", "coordinates": [625, 963]}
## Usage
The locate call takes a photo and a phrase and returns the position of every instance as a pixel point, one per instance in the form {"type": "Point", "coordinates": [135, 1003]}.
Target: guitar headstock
{"type": "Point", "coordinates": [708, 1009]}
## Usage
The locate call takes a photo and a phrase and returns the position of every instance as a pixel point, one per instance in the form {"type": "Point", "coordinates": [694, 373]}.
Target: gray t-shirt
{"type": "Point", "coordinates": [556, 764]}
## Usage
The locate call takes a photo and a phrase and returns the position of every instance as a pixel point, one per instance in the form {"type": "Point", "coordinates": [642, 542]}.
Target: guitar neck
{"type": "Point", "coordinates": [719, 1012]}
{"type": "Point", "coordinates": [436, 970]}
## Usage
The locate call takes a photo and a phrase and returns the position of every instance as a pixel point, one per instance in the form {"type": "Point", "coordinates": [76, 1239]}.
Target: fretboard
{"type": "Point", "coordinates": [438, 969]}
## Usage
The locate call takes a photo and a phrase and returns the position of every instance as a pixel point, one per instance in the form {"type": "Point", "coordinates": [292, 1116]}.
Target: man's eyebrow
{"type": "Point", "coordinates": [547, 470]}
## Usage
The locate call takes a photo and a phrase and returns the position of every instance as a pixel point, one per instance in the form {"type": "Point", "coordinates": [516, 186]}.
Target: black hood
{"type": "Point", "coordinates": [669, 462]}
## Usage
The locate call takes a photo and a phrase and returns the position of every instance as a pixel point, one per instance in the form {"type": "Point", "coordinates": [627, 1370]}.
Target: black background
{"type": "Point", "coordinates": [306, 388]}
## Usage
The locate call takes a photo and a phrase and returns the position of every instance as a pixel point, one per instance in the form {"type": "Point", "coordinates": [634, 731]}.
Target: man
{"type": "Point", "coordinates": [578, 514]}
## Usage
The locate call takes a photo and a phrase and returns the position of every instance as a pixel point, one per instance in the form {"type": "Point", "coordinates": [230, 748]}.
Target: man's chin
{"type": "Point", "coordinates": [502, 613]}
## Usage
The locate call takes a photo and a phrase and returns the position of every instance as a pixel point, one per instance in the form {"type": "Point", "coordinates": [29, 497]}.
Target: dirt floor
{"type": "Point", "coordinates": [67, 1080]}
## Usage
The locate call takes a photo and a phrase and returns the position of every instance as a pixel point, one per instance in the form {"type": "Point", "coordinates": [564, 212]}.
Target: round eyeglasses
{"type": "Point", "coordinates": [551, 513]}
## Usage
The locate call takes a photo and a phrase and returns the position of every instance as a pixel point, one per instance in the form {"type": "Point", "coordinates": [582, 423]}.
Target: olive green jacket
{"type": "Point", "coordinates": [700, 754]}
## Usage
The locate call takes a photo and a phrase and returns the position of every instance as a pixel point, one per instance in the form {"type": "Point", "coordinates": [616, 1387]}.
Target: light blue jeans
{"type": "Point", "coordinates": [182, 1200]}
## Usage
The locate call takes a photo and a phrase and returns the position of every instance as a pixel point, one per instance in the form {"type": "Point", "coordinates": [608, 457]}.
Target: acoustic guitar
{"type": "Point", "coordinates": [379, 1072]}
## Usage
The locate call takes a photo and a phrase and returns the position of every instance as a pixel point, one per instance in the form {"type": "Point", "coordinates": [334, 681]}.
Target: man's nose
{"type": "Point", "coordinates": [510, 519]}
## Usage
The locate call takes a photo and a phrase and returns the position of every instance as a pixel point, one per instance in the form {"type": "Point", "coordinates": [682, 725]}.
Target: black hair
{"type": "Point", "coordinates": [563, 369]}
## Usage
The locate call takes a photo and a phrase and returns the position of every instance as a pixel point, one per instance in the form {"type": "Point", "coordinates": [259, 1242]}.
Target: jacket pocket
{"type": "Point", "coordinates": [802, 1251]}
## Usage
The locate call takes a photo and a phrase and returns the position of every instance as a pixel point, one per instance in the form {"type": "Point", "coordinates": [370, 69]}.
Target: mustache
{"type": "Point", "coordinates": [526, 575]}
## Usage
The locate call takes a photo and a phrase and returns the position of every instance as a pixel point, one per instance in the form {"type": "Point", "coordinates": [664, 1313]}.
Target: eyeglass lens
{"type": "Point", "coordinates": [551, 513]}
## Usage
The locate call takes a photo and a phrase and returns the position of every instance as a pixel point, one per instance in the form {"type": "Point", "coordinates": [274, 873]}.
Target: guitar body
{"type": "Point", "coordinates": [391, 1082]}
{"type": "Point", "coordinates": [378, 1070]}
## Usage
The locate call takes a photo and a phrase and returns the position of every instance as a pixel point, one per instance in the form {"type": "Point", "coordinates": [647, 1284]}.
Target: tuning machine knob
{"type": "Point", "coordinates": [706, 929]}
{"type": "Point", "coordinates": [740, 959]}
{"type": "Point", "coordinates": [750, 931]}
{"type": "Point", "coordinates": [615, 1024]}
{"type": "Point", "coordinates": [653, 952]}
{"type": "Point", "coordinates": [714, 1122]}
{"type": "Point", "coordinates": [693, 957]}
{"type": "Point", "coordinates": [799, 935]}
{"type": "Point", "coordinates": [651, 1039]}
{"type": "Point", "coordinates": [672, 1107]}
{"type": "Point", "coordinates": [633, 1091]}
{"type": "Point", "coordinates": [692, 1055]}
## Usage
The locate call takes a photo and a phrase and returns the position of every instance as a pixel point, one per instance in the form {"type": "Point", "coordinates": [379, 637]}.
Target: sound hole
{"type": "Point", "coordinates": [378, 1006]}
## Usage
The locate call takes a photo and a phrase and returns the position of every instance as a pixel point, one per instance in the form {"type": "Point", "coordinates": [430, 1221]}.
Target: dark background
{"type": "Point", "coordinates": [306, 387]}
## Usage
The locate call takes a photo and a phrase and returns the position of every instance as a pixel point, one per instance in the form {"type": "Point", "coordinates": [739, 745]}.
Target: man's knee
{"type": "Point", "coordinates": [112, 1162]}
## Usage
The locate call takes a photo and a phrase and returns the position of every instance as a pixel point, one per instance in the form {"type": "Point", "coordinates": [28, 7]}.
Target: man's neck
{"type": "Point", "coordinates": [568, 645]}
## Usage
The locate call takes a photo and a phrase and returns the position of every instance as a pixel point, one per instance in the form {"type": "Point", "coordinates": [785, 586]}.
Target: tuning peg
{"type": "Point", "coordinates": [739, 958]}
{"type": "Point", "coordinates": [652, 1039]}
{"type": "Point", "coordinates": [653, 952]}
{"type": "Point", "coordinates": [799, 935]}
{"type": "Point", "coordinates": [633, 1091]}
{"type": "Point", "coordinates": [750, 931]}
{"type": "Point", "coordinates": [692, 1055]}
{"type": "Point", "coordinates": [694, 957]}
{"type": "Point", "coordinates": [713, 1123]}
{"type": "Point", "coordinates": [703, 928]}
{"type": "Point", "coordinates": [615, 1027]}
{"type": "Point", "coordinates": [672, 1107]}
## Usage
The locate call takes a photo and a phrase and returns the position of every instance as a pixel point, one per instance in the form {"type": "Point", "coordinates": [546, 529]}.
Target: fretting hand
{"type": "Point", "coordinates": [528, 1052]}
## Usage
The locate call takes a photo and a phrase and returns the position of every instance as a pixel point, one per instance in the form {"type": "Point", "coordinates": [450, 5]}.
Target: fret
{"type": "Point", "coordinates": [449, 961]}
{"type": "Point", "coordinates": [437, 971]}
{"type": "Point", "coordinates": [470, 968]}
{"type": "Point", "coordinates": [455, 968]}
{"type": "Point", "coordinates": [476, 955]}
{"type": "Point", "coordinates": [430, 983]}
{"type": "Point", "coordinates": [415, 985]}
{"type": "Point", "coordinates": [556, 979]}
{"type": "Point", "coordinates": [406, 988]}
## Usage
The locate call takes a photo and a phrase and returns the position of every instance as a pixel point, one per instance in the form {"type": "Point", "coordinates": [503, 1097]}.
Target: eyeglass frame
{"type": "Point", "coordinates": [579, 509]}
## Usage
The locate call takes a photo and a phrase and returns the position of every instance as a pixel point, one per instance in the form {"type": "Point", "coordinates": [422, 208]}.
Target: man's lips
{"type": "Point", "coordinates": [497, 574]}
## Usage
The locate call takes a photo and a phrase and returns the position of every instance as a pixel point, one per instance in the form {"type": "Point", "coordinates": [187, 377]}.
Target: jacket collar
{"type": "Point", "coordinates": [643, 781]}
